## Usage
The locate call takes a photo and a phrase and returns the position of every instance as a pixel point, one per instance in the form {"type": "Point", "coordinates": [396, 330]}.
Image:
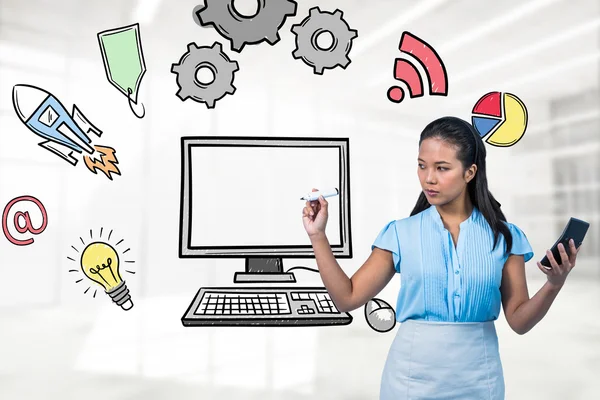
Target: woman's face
{"type": "Point", "coordinates": [442, 176]}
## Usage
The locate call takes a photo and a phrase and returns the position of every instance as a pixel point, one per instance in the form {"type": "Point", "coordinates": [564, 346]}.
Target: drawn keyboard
{"type": "Point", "coordinates": [264, 306]}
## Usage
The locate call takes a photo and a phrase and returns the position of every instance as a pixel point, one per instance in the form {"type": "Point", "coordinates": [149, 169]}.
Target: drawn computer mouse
{"type": "Point", "coordinates": [380, 316]}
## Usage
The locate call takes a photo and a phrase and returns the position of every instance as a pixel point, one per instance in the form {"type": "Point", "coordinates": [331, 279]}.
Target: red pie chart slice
{"type": "Point", "coordinates": [490, 105]}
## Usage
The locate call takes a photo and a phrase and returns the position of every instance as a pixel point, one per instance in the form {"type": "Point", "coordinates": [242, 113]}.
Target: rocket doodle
{"type": "Point", "coordinates": [64, 133]}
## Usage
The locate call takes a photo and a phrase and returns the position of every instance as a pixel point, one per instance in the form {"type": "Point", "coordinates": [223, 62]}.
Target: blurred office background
{"type": "Point", "coordinates": [57, 342]}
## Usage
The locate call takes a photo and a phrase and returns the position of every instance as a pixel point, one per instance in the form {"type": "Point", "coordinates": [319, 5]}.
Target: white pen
{"type": "Point", "coordinates": [312, 196]}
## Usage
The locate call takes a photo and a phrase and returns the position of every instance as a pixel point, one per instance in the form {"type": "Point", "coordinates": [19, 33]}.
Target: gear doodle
{"type": "Point", "coordinates": [311, 27]}
{"type": "Point", "coordinates": [212, 58]}
{"type": "Point", "coordinates": [240, 29]}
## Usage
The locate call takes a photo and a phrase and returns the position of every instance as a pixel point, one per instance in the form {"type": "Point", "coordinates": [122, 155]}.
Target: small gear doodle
{"type": "Point", "coordinates": [316, 23]}
{"type": "Point", "coordinates": [217, 62]}
{"type": "Point", "coordinates": [240, 29]}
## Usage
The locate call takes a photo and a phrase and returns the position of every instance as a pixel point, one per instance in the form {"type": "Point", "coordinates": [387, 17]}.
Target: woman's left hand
{"type": "Point", "coordinates": [558, 274]}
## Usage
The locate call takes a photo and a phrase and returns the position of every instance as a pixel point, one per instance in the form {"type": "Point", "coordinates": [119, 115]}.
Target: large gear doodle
{"type": "Point", "coordinates": [242, 30]}
{"type": "Point", "coordinates": [311, 27]}
{"type": "Point", "coordinates": [212, 58]}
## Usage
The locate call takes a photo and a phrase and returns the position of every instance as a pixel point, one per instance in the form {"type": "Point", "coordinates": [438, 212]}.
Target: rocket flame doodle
{"type": "Point", "coordinates": [65, 133]}
{"type": "Point", "coordinates": [106, 164]}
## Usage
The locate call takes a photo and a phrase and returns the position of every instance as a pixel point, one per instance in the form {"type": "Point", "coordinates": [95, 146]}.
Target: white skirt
{"type": "Point", "coordinates": [443, 360]}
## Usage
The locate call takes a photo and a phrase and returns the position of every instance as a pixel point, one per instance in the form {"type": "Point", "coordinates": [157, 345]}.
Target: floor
{"type": "Point", "coordinates": [66, 353]}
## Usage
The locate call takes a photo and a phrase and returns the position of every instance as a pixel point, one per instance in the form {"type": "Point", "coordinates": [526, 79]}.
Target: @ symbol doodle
{"type": "Point", "coordinates": [26, 218]}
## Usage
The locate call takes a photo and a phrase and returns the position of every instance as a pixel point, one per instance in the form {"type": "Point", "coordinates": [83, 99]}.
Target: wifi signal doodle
{"type": "Point", "coordinates": [406, 72]}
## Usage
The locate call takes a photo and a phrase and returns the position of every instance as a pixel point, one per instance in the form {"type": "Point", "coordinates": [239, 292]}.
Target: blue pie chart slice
{"type": "Point", "coordinates": [485, 125]}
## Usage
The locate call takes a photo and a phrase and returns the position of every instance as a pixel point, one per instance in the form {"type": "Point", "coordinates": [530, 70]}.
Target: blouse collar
{"type": "Point", "coordinates": [438, 219]}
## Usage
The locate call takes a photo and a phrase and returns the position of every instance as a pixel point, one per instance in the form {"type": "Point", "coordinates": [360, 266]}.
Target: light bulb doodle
{"type": "Point", "coordinates": [100, 263]}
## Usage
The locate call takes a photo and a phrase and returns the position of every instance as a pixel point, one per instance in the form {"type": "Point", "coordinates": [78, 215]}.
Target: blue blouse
{"type": "Point", "coordinates": [439, 282]}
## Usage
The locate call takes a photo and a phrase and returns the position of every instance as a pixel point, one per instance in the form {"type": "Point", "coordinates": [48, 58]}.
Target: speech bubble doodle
{"type": "Point", "coordinates": [124, 63]}
{"type": "Point", "coordinates": [28, 227]}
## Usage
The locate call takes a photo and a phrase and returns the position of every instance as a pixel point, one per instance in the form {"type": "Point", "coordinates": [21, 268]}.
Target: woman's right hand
{"type": "Point", "coordinates": [314, 216]}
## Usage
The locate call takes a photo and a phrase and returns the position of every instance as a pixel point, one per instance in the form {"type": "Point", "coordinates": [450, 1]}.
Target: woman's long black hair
{"type": "Point", "coordinates": [470, 150]}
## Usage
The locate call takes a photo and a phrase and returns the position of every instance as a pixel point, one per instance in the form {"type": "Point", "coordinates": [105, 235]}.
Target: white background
{"type": "Point", "coordinates": [57, 343]}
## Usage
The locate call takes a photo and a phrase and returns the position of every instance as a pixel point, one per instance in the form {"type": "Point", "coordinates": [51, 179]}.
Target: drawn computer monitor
{"type": "Point", "coordinates": [240, 198]}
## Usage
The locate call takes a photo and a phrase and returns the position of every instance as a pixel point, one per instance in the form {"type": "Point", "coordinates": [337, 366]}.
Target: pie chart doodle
{"type": "Point", "coordinates": [502, 116]}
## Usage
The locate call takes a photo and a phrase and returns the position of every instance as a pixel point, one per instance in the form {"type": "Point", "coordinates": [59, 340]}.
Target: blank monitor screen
{"type": "Point", "coordinates": [250, 196]}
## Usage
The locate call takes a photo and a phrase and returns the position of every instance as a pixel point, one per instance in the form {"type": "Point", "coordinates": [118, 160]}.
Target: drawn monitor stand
{"type": "Point", "coordinates": [219, 219]}
{"type": "Point", "coordinates": [262, 270]}
{"type": "Point", "coordinates": [123, 59]}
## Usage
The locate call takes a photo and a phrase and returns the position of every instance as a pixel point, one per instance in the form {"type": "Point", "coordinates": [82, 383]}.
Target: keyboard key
{"type": "Point", "coordinates": [324, 303]}
{"type": "Point", "coordinates": [241, 303]}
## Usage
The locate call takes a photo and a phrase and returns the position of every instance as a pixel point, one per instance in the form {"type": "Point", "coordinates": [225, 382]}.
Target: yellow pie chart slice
{"type": "Point", "coordinates": [514, 125]}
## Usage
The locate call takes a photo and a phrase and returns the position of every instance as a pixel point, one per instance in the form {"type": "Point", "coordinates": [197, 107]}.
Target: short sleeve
{"type": "Point", "coordinates": [520, 244]}
{"type": "Point", "coordinates": [388, 240]}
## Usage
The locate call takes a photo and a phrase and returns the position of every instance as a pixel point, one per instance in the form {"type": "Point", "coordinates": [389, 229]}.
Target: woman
{"type": "Point", "coordinates": [458, 260]}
